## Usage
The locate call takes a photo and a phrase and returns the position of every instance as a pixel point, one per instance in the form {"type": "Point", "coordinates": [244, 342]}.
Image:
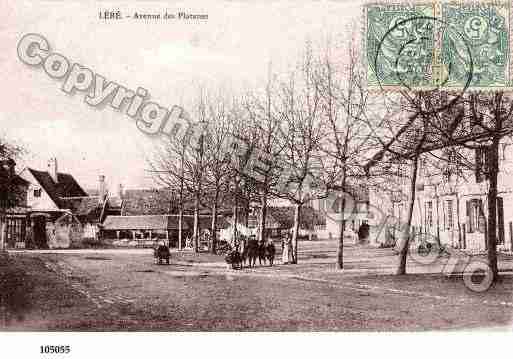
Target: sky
{"type": "Point", "coordinates": [170, 58]}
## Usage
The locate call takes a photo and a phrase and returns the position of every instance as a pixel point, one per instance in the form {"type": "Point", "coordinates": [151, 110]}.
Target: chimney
{"type": "Point", "coordinates": [120, 191]}
{"type": "Point", "coordinates": [53, 170]}
{"type": "Point", "coordinates": [102, 189]}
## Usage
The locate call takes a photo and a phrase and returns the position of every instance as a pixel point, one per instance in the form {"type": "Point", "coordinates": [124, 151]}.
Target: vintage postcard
{"type": "Point", "coordinates": [253, 166]}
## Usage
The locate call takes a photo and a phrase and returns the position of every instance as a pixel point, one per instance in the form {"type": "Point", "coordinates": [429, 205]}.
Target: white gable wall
{"type": "Point", "coordinates": [42, 203]}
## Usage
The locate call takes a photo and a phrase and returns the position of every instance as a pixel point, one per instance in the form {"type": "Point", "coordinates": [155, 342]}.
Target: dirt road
{"type": "Point", "coordinates": [124, 290]}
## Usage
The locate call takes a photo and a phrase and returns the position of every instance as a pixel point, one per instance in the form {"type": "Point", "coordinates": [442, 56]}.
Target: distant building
{"type": "Point", "coordinates": [330, 209]}
{"type": "Point", "coordinates": [146, 230]}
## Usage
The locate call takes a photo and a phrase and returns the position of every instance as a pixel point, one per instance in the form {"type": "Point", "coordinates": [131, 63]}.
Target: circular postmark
{"type": "Point", "coordinates": [478, 276]}
{"type": "Point", "coordinates": [418, 53]}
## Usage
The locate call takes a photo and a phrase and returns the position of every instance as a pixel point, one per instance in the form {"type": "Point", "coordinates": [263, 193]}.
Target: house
{"type": "Point", "coordinates": [57, 212]}
{"type": "Point", "coordinates": [454, 208]}
{"type": "Point", "coordinates": [146, 230]}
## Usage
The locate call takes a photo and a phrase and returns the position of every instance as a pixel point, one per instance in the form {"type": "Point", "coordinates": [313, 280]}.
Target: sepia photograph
{"type": "Point", "coordinates": [208, 168]}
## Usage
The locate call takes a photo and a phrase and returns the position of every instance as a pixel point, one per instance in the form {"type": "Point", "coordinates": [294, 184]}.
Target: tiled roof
{"type": "Point", "coordinates": [147, 202]}
{"type": "Point", "coordinates": [163, 201]}
{"type": "Point", "coordinates": [65, 187]}
{"type": "Point", "coordinates": [80, 206]}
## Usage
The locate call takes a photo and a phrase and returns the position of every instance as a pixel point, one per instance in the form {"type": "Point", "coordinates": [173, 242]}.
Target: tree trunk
{"type": "Point", "coordinates": [405, 242]}
{"type": "Point", "coordinates": [297, 219]}
{"type": "Point", "coordinates": [213, 243]}
{"type": "Point", "coordinates": [491, 241]}
{"type": "Point", "coordinates": [438, 241]}
{"type": "Point", "coordinates": [340, 249]}
{"type": "Point", "coordinates": [196, 224]}
{"type": "Point", "coordinates": [180, 228]}
{"type": "Point", "coordinates": [3, 228]}
{"type": "Point", "coordinates": [180, 212]}
{"type": "Point", "coordinates": [263, 216]}
{"type": "Point", "coordinates": [235, 220]}
{"type": "Point", "coordinates": [460, 237]}
{"type": "Point", "coordinates": [246, 217]}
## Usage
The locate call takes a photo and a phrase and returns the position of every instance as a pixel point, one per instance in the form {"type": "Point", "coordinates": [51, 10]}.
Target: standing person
{"type": "Point", "coordinates": [287, 244]}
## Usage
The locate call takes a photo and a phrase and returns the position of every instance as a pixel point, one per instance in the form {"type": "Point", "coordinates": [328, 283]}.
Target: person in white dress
{"type": "Point", "coordinates": [287, 245]}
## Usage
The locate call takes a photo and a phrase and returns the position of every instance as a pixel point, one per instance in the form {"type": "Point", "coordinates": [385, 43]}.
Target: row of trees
{"type": "Point", "coordinates": [317, 129]}
{"type": "Point", "coordinates": [298, 138]}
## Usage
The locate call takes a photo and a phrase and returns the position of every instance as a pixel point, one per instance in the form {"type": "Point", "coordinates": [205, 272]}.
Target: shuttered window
{"type": "Point", "coordinates": [475, 216]}
{"type": "Point", "coordinates": [449, 216]}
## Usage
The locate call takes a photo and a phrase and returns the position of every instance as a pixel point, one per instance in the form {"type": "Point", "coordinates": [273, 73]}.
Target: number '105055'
{"type": "Point", "coordinates": [55, 349]}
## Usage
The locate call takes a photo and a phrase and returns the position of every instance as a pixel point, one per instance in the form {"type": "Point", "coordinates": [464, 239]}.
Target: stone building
{"type": "Point", "coordinates": [454, 208]}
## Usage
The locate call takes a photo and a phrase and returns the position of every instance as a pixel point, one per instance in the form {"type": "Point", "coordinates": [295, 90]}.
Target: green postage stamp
{"type": "Point", "coordinates": [451, 45]}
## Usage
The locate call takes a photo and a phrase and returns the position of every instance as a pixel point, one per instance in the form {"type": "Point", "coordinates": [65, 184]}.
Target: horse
{"type": "Point", "coordinates": [251, 251]}
{"type": "Point", "coordinates": [266, 252]}
{"type": "Point", "coordinates": [161, 253]}
{"type": "Point", "coordinates": [234, 259]}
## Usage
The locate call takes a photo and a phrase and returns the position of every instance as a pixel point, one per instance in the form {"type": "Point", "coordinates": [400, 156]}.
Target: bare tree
{"type": "Point", "coordinates": [304, 128]}
{"type": "Point", "coordinates": [345, 107]}
{"type": "Point", "coordinates": [217, 159]}
{"type": "Point", "coordinates": [261, 171]}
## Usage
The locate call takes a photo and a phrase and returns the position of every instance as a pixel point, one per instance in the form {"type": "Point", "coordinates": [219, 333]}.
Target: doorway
{"type": "Point", "coordinates": [40, 239]}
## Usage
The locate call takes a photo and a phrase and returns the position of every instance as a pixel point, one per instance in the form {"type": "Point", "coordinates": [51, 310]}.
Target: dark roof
{"type": "Point", "coordinates": [147, 202]}
{"type": "Point", "coordinates": [66, 186]}
{"type": "Point", "coordinates": [80, 206]}
{"type": "Point", "coordinates": [165, 201]}
{"type": "Point", "coordinates": [89, 208]}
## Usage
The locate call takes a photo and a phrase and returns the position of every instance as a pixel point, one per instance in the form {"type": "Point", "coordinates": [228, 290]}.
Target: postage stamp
{"type": "Point", "coordinates": [485, 28]}
{"type": "Point", "coordinates": [450, 45]}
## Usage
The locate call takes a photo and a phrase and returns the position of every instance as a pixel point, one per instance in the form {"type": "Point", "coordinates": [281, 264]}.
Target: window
{"type": "Point", "coordinates": [429, 214]}
{"type": "Point", "coordinates": [400, 212]}
{"type": "Point", "coordinates": [449, 218]}
{"type": "Point", "coordinates": [504, 146]}
{"type": "Point", "coordinates": [37, 192]}
{"type": "Point", "coordinates": [475, 216]}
